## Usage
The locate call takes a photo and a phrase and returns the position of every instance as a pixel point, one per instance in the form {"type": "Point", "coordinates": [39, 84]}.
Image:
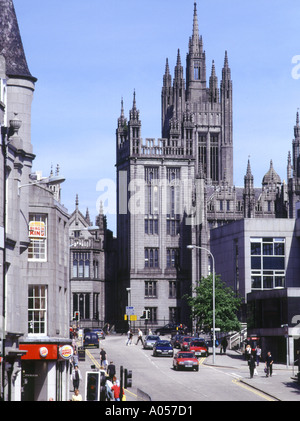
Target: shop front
{"type": "Point", "coordinates": [45, 371]}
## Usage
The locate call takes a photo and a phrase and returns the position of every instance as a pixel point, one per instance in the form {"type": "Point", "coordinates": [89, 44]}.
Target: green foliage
{"type": "Point", "coordinates": [226, 305]}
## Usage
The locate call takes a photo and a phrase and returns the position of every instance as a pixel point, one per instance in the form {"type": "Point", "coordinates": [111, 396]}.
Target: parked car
{"type": "Point", "coordinates": [185, 359]}
{"type": "Point", "coordinates": [199, 346]}
{"type": "Point", "coordinates": [184, 342]}
{"type": "Point", "coordinates": [91, 339]}
{"type": "Point", "coordinates": [169, 328]}
{"type": "Point", "coordinates": [163, 348]}
{"type": "Point", "coordinates": [150, 340]}
{"type": "Point", "coordinates": [100, 333]}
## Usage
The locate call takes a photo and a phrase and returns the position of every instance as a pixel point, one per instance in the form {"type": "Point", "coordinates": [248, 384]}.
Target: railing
{"type": "Point", "coordinates": [236, 339]}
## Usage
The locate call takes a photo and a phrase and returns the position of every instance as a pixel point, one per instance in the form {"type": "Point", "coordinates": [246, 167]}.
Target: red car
{"type": "Point", "coordinates": [185, 341]}
{"type": "Point", "coordinates": [185, 359]}
{"type": "Point", "coordinates": [199, 347]}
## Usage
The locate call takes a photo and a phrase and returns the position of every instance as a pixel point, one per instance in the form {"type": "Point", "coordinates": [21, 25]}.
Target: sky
{"type": "Point", "coordinates": [87, 55]}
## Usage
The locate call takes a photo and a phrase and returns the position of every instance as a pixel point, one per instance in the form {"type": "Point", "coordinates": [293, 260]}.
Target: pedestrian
{"type": "Point", "coordinates": [252, 365]}
{"type": "Point", "coordinates": [109, 394]}
{"type": "Point", "coordinates": [116, 388]}
{"type": "Point", "coordinates": [269, 364]}
{"type": "Point", "coordinates": [77, 396]}
{"type": "Point", "coordinates": [140, 337]}
{"type": "Point", "coordinates": [258, 354]}
{"type": "Point", "coordinates": [75, 359]}
{"type": "Point", "coordinates": [111, 370]}
{"type": "Point", "coordinates": [103, 359]}
{"type": "Point", "coordinates": [129, 337]}
{"type": "Point", "coordinates": [224, 344]}
{"type": "Point", "coordinates": [248, 352]}
{"type": "Point", "coordinates": [76, 377]}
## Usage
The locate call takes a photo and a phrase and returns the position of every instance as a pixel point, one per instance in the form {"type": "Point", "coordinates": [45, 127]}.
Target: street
{"type": "Point", "coordinates": [154, 377]}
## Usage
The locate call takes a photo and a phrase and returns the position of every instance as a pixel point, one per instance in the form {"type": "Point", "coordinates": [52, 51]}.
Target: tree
{"type": "Point", "coordinates": [227, 305]}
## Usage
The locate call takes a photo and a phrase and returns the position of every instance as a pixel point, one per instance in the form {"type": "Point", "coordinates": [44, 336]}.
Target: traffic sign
{"type": "Point", "coordinates": [130, 311]}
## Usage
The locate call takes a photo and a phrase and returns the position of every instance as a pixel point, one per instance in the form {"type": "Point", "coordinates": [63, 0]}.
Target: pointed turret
{"type": "Point", "coordinates": [166, 101]}
{"type": "Point", "coordinates": [213, 86]}
{"type": "Point", "coordinates": [297, 127]}
{"type": "Point", "coordinates": [249, 195]}
{"type": "Point", "coordinates": [11, 46]}
{"type": "Point", "coordinates": [134, 126]}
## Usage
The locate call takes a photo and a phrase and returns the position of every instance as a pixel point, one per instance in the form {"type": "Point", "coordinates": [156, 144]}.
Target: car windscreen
{"type": "Point", "coordinates": [152, 338]}
{"type": "Point", "coordinates": [186, 355]}
{"type": "Point", "coordinates": [163, 343]}
{"type": "Point", "coordinates": [194, 343]}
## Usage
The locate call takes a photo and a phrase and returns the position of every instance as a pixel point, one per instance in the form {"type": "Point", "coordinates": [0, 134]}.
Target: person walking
{"type": "Point", "coordinates": [140, 337]}
{"type": "Point", "coordinates": [129, 337]}
{"type": "Point", "coordinates": [269, 364]}
{"type": "Point", "coordinates": [248, 352]}
{"type": "Point", "coordinates": [75, 359]}
{"type": "Point", "coordinates": [258, 354]}
{"type": "Point", "coordinates": [111, 371]}
{"type": "Point", "coordinates": [76, 377]}
{"type": "Point", "coordinates": [116, 388]}
{"type": "Point", "coordinates": [224, 344]}
{"type": "Point", "coordinates": [103, 359]}
{"type": "Point", "coordinates": [252, 365]}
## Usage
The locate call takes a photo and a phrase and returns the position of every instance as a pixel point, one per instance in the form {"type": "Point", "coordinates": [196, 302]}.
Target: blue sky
{"type": "Point", "coordinates": [88, 55]}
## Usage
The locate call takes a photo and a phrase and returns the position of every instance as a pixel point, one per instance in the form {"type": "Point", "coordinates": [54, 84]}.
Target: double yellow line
{"type": "Point", "coordinates": [253, 390]}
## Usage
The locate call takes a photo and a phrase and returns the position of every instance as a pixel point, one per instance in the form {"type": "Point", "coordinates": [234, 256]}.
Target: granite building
{"type": "Point", "coordinates": [34, 284]}
{"type": "Point", "coordinates": [92, 263]}
{"type": "Point", "coordinates": [173, 191]}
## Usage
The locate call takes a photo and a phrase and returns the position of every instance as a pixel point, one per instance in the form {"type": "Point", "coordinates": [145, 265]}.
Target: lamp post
{"type": "Point", "coordinates": [129, 303]}
{"type": "Point", "coordinates": [192, 246]}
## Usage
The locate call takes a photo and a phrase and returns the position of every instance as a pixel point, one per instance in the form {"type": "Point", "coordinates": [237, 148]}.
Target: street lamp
{"type": "Point", "coordinates": [129, 303]}
{"type": "Point", "coordinates": [192, 246]}
{"type": "Point", "coordinates": [48, 181]}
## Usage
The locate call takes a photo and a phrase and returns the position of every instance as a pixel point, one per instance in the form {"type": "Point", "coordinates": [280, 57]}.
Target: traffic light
{"type": "Point", "coordinates": [76, 316]}
{"type": "Point", "coordinates": [92, 386]}
{"type": "Point", "coordinates": [128, 378]}
{"type": "Point", "coordinates": [145, 315]}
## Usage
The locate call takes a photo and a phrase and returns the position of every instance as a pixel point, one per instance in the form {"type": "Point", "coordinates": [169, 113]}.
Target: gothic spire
{"type": "Point", "coordinates": [11, 46]}
{"type": "Point", "coordinates": [297, 127]}
{"type": "Point", "coordinates": [195, 37]}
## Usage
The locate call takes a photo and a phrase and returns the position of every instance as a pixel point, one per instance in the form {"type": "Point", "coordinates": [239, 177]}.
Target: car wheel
{"type": "Point", "coordinates": [197, 368]}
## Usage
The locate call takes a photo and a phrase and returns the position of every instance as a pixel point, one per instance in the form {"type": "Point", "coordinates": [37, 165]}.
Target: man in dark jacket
{"type": "Point", "coordinates": [111, 370]}
{"type": "Point", "coordinates": [269, 364]}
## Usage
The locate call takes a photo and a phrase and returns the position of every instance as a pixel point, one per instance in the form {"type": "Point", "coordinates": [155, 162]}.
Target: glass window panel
{"type": "Point", "coordinates": [273, 263]}
{"type": "Point", "coordinates": [255, 249]}
{"type": "Point", "coordinates": [267, 249]}
{"type": "Point", "coordinates": [267, 282]}
{"type": "Point", "coordinates": [256, 282]}
{"type": "Point", "coordinates": [279, 249]}
{"type": "Point", "coordinates": [255, 263]}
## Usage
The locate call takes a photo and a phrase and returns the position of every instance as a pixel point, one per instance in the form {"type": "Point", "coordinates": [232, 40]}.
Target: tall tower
{"type": "Point", "coordinates": [200, 116]}
{"type": "Point", "coordinates": [293, 170]}
{"type": "Point", "coordinates": [161, 185]}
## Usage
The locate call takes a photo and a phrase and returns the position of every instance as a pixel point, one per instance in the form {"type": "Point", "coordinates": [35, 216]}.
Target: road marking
{"type": "Point", "coordinates": [251, 389]}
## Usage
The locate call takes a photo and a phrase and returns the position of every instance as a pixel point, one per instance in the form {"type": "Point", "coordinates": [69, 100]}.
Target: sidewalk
{"type": "Point", "coordinates": [281, 386]}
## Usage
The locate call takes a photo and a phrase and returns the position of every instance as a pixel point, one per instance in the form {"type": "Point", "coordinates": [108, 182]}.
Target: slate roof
{"type": "Point", "coordinates": [11, 46]}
